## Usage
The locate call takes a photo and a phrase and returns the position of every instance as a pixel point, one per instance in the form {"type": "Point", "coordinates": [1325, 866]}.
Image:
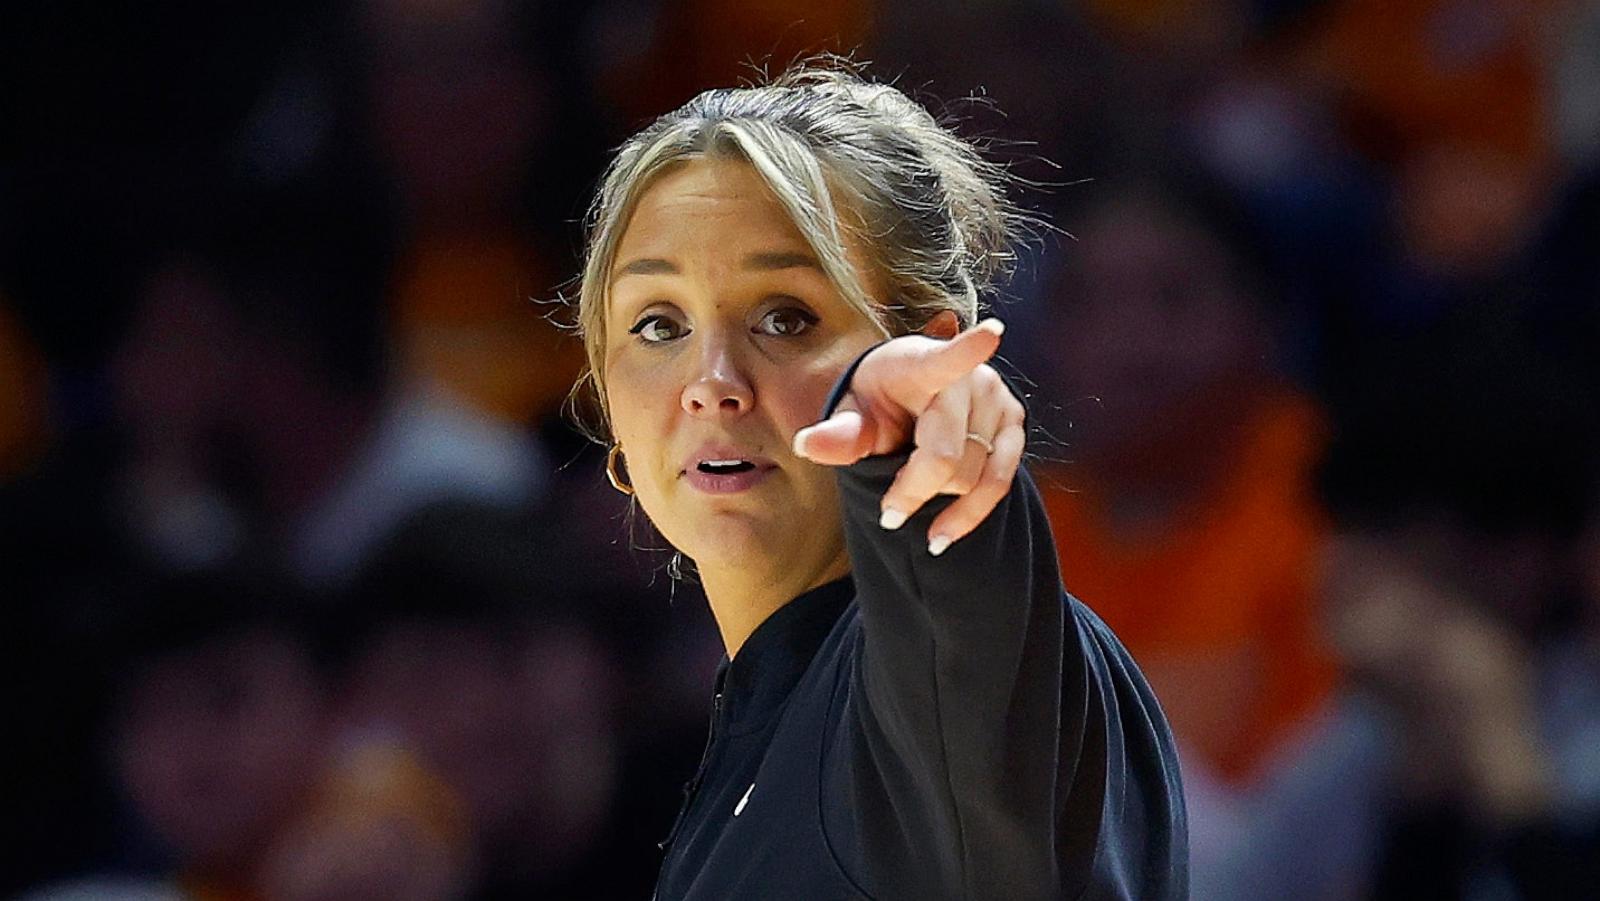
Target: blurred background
{"type": "Point", "coordinates": [310, 592]}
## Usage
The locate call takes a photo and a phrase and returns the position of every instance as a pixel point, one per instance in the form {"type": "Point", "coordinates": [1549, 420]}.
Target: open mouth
{"type": "Point", "coordinates": [725, 467]}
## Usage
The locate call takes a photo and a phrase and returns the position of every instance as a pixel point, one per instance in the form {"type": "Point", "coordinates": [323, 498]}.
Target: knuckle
{"type": "Point", "coordinates": [957, 400]}
{"type": "Point", "coordinates": [962, 483]}
{"type": "Point", "coordinates": [917, 486]}
{"type": "Point", "coordinates": [946, 457]}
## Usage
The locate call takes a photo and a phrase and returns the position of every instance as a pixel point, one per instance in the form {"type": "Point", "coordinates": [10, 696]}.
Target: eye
{"type": "Point", "coordinates": [656, 329]}
{"type": "Point", "coordinates": [786, 321]}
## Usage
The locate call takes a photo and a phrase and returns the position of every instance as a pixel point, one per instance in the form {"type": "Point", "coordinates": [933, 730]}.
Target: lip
{"type": "Point", "coordinates": [725, 483]}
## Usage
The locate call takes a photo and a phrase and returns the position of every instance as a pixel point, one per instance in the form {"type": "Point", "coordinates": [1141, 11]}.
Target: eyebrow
{"type": "Point", "coordinates": [765, 261]}
{"type": "Point", "coordinates": [782, 260]}
{"type": "Point", "coordinates": [645, 266]}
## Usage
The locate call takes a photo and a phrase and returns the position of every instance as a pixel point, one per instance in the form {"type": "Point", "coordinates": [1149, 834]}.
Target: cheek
{"type": "Point", "coordinates": [805, 395]}
{"type": "Point", "coordinates": [640, 408]}
{"type": "Point", "coordinates": [806, 387]}
{"type": "Point", "coordinates": [627, 400]}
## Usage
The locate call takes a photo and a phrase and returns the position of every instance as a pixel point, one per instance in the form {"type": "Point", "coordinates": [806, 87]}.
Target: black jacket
{"type": "Point", "coordinates": [933, 727]}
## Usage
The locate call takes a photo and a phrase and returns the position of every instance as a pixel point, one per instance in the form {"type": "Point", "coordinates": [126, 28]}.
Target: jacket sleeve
{"type": "Point", "coordinates": [980, 748]}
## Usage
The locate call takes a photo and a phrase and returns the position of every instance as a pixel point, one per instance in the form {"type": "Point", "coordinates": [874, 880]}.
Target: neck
{"type": "Point", "coordinates": [742, 598]}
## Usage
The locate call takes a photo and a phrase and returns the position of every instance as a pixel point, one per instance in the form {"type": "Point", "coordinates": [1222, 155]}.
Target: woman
{"type": "Point", "coordinates": [909, 707]}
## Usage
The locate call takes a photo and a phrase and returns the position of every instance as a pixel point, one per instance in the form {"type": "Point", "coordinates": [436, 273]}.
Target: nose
{"type": "Point", "coordinates": [718, 388]}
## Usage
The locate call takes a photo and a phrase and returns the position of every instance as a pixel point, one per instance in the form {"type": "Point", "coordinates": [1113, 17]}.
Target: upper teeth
{"type": "Point", "coordinates": [723, 462]}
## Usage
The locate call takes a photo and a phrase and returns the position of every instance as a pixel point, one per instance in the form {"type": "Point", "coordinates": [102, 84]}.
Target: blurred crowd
{"type": "Point", "coordinates": [312, 591]}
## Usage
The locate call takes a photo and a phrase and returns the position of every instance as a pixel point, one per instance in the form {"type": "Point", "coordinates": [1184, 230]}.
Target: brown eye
{"type": "Point", "coordinates": [786, 321]}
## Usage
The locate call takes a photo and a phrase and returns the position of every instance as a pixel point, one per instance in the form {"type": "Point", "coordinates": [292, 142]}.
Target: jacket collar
{"type": "Point", "coordinates": [757, 682]}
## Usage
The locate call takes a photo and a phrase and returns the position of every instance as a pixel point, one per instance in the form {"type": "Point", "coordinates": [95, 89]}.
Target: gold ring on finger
{"type": "Point", "coordinates": [986, 444]}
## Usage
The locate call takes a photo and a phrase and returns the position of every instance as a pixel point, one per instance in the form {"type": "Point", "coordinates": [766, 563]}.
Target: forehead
{"type": "Point", "coordinates": [708, 205]}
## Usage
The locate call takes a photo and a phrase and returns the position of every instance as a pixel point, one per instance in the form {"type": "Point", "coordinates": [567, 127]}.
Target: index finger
{"type": "Point", "coordinates": [948, 361]}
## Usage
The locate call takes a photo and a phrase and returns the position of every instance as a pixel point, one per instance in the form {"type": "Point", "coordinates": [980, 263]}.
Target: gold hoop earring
{"type": "Point", "coordinates": [612, 457]}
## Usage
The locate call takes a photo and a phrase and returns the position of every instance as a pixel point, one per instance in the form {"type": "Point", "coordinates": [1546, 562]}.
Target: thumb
{"type": "Point", "coordinates": [839, 440]}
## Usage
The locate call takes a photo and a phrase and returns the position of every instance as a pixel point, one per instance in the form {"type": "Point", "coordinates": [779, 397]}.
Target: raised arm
{"type": "Point", "coordinates": [994, 740]}
{"type": "Point", "coordinates": [951, 745]}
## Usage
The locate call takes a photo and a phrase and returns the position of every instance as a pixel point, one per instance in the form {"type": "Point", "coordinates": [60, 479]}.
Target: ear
{"type": "Point", "coordinates": [945, 325]}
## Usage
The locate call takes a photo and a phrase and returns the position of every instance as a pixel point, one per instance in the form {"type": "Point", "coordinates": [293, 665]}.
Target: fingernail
{"type": "Point", "coordinates": [937, 545]}
{"type": "Point", "coordinates": [800, 444]}
{"type": "Point", "coordinates": [993, 325]}
{"type": "Point", "coordinates": [892, 519]}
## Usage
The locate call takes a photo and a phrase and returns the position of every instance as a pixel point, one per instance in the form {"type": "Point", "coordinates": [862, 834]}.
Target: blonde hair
{"type": "Point", "coordinates": [847, 158]}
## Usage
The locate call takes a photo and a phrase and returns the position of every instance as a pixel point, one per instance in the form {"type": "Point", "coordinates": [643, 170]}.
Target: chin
{"type": "Point", "coordinates": [737, 537]}
{"type": "Point", "coordinates": [769, 528]}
